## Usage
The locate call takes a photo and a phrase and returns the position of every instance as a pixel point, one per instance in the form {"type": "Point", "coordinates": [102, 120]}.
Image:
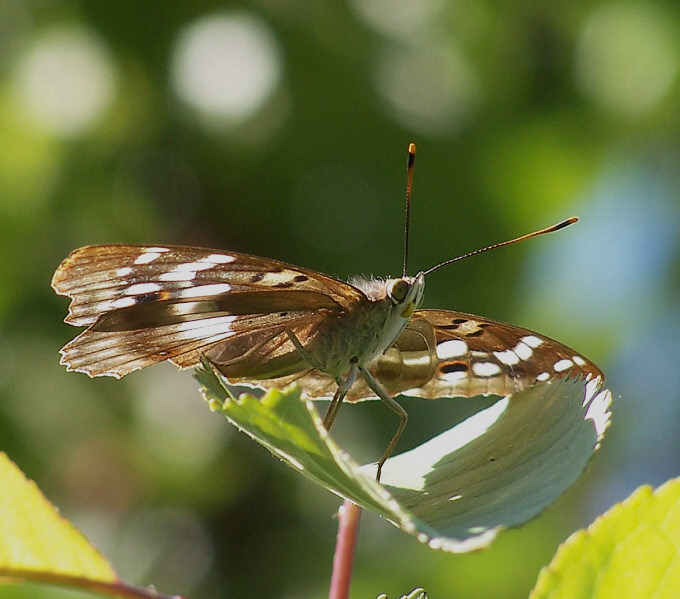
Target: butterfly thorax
{"type": "Point", "coordinates": [369, 328]}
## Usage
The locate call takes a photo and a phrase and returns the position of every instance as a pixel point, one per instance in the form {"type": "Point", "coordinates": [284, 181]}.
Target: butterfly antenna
{"type": "Point", "coordinates": [409, 183]}
{"type": "Point", "coordinates": [556, 227]}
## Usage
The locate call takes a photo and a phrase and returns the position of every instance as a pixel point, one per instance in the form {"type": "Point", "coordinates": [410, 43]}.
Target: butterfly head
{"type": "Point", "coordinates": [391, 304]}
{"type": "Point", "coordinates": [406, 293]}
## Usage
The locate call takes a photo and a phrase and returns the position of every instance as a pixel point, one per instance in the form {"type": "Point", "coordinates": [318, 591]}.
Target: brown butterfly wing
{"type": "Point", "coordinates": [146, 304]}
{"type": "Point", "coordinates": [479, 356]}
{"type": "Point", "coordinates": [452, 354]}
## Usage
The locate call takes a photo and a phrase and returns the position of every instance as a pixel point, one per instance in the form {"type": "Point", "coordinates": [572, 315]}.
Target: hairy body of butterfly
{"type": "Point", "coordinates": [267, 323]}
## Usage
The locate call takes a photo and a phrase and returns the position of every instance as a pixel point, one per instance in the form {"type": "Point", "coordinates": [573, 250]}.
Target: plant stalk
{"type": "Point", "coordinates": [349, 516]}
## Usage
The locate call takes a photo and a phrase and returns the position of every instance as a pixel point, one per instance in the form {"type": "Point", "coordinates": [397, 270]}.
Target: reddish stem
{"type": "Point", "coordinates": [349, 516]}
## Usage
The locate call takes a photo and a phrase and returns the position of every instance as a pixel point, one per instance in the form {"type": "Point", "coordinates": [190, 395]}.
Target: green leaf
{"type": "Point", "coordinates": [291, 429]}
{"type": "Point", "coordinates": [497, 469]}
{"type": "Point", "coordinates": [633, 550]}
{"type": "Point", "coordinates": [37, 544]}
{"type": "Point", "coordinates": [35, 540]}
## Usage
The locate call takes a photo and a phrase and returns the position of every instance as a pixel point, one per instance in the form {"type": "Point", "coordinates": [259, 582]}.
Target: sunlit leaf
{"type": "Point", "coordinates": [35, 540]}
{"type": "Point", "coordinates": [497, 469]}
{"type": "Point", "coordinates": [633, 550]}
{"type": "Point", "coordinates": [38, 544]}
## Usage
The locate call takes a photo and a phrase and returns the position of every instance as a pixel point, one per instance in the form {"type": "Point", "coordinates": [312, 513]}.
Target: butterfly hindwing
{"type": "Point", "coordinates": [442, 353]}
{"type": "Point", "coordinates": [146, 304]}
{"type": "Point", "coordinates": [480, 356]}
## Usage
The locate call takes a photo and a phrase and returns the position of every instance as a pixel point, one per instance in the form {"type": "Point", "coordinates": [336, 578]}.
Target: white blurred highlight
{"type": "Point", "coordinates": [431, 88]}
{"type": "Point", "coordinates": [226, 66]}
{"type": "Point", "coordinates": [170, 406]}
{"type": "Point", "coordinates": [66, 80]}
{"type": "Point", "coordinates": [398, 17]}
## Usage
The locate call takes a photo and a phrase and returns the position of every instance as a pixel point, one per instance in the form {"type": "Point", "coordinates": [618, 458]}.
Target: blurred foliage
{"type": "Point", "coordinates": [280, 129]}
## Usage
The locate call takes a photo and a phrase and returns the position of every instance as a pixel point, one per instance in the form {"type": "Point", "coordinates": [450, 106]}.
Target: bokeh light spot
{"type": "Point", "coordinates": [627, 57]}
{"type": "Point", "coordinates": [169, 406]}
{"type": "Point", "coordinates": [430, 88]}
{"type": "Point", "coordinates": [66, 81]}
{"type": "Point", "coordinates": [398, 17]}
{"type": "Point", "coordinates": [226, 66]}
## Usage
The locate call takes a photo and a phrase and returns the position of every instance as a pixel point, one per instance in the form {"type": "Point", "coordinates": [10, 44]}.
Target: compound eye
{"type": "Point", "coordinates": [399, 290]}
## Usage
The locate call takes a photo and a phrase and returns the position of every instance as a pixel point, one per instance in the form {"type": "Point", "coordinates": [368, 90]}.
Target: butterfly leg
{"type": "Point", "coordinates": [344, 385]}
{"type": "Point", "coordinates": [392, 405]}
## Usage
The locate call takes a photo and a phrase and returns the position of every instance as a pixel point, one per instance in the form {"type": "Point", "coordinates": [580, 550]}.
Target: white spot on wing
{"type": "Point", "coordinates": [142, 288]}
{"type": "Point", "coordinates": [123, 302]}
{"type": "Point", "coordinates": [201, 290]}
{"type": "Point", "coordinates": [486, 369]}
{"type": "Point", "coordinates": [416, 360]}
{"type": "Point", "coordinates": [123, 272]}
{"type": "Point", "coordinates": [453, 348]}
{"type": "Point", "coordinates": [454, 377]}
{"type": "Point", "coordinates": [523, 350]}
{"type": "Point", "coordinates": [578, 360]}
{"type": "Point", "coordinates": [178, 275]}
{"type": "Point", "coordinates": [218, 259]}
{"type": "Point", "coordinates": [562, 365]}
{"type": "Point", "coordinates": [194, 266]}
{"type": "Point", "coordinates": [507, 357]}
{"type": "Point", "coordinates": [218, 327]}
{"type": "Point", "coordinates": [532, 340]}
{"type": "Point", "coordinates": [148, 256]}
{"type": "Point", "coordinates": [184, 308]}
{"type": "Point", "coordinates": [544, 376]}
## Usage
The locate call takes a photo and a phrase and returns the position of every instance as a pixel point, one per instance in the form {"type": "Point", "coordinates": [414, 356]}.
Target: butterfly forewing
{"type": "Point", "coordinates": [147, 304]}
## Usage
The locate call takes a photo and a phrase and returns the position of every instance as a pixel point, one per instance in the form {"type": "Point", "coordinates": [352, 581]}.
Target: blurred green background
{"type": "Point", "coordinates": [279, 128]}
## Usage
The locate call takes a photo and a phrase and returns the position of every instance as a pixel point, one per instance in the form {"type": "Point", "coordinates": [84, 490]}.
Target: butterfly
{"type": "Point", "coordinates": [267, 323]}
